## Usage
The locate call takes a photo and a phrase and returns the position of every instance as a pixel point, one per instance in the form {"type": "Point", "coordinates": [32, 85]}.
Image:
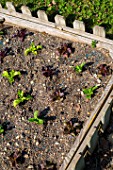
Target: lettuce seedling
{"type": "Point", "coordinates": [33, 49]}
{"type": "Point", "coordinates": [36, 119]}
{"type": "Point", "coordinates": [10, 75]}
{"type": "Point", "coordinates": [90, 91]}
{"type": "Point", "coordinates": [65, 50]}
{"type": "Point", "coordinates": [20, 33]}
{"type": "Point", "coordinates": [1, 33]}
{"type": "Point", "coordinates": [3, 53]}
{"type": "Point", "coordinates": [58, 94]}
{"type": "Point", "coordinates": [21, 98]}
{"type": "Point", "coordinates": [93, 44]}
{"type": "Point", "coordinates": [1, 129]}
{"type": "Point", "coordinates": [79, 68]}
{"type": "Point", "coordinates": [104, 69]}
{"type": "Point", "coordinates": [48, 71]}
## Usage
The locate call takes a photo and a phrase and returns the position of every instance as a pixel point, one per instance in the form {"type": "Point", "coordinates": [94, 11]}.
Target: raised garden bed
{"type": "Point", "coordinates": [55, 87]}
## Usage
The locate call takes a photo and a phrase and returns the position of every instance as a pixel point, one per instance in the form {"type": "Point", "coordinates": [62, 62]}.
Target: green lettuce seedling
{"type": "Point", "coordinates": [36, 119]}
{"type": "Point", "coordinates": [33, 49]}
{"type": "Point", "coordinates": [10, 75]}
{"type": "Point", "coordinates": [1, 129]}
{"type": "Point", "coordinates": [93, 44]}
{"type": "Point", "coordinates": [21, 98]}
{"type": "Point", "coordinates": [1, 33]}
{"type": "Point", "coordinates": [90, 91]}
{"type": "Point", "coordinates": [79, 68]}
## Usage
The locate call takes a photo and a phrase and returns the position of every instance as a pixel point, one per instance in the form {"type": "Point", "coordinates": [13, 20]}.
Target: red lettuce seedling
{"type": "Point", "coordinates": [73, 126]}
{"type": "Point", "coordinates": [3, 53]}
{"type": "Point", "coordinates": [16, 158]}
{"type": "Point", "coordinates": [48, 71]}
{"type": "Point", "coordinates": [65, 50]}
{"type": "Point", "coordinates": [58, 94]}
{"type": "Point", "coordinates": [21, 34]}
{"type": "Point", "coordinates": [104, 69]}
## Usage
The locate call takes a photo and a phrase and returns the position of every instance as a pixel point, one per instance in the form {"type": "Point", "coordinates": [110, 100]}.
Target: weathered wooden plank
{"type": "Point", "coordinates": [91, 137]}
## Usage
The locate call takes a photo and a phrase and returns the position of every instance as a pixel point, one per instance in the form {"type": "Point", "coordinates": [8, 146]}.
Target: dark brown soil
{"type": "Point", "coordinates": [27, 145]}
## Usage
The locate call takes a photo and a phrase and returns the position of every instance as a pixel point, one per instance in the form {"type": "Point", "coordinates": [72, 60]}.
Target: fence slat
{"type": "Point", "coordinates": [0, 6]}
{"type": "Point", "coordinates": [60, 21]}
{"type": "Point", "coordinates": [100, 31]}
{"type": "Point", "coordinates": [25, 10]}
{"type": "Point", "coordinates": [10, 6]}
{"type": "Point", "coordinates": [79, 25]}
{"type": "Point", "coordinates": [42, 15]}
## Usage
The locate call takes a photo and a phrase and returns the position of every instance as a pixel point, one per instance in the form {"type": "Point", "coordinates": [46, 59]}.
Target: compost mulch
{"type": "Point", "coordinates": [27, 145]}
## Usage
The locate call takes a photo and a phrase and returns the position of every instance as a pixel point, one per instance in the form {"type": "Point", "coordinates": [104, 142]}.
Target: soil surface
{"type": "Point", "coordinates": [56, 90]}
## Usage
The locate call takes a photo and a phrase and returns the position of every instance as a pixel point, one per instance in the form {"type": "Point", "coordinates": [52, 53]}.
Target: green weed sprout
{"type": "Point", "coordinates": [93, 44]}
{"type": "Point", "coordinates": [10, 76]}
{"type": "Point", "coordinates": [1, 129]}
{"type": "Point", "coordinates": [1, 33]}
{"type": "Point", "coordinates": [90, 91]}
{"type": "Point", "coordinates": [79, 68]}
{"type": "Point", "coordinates": [33, 49]}
{"type": "Point", "coordinates": [21, 98]}
{"type": "Point", "coordinates": [36, 119]}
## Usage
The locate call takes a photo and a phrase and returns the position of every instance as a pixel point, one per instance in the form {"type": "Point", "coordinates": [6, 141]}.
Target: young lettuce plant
{"type": "Point", "coordinates": [1, 129]}
{"type": "Point", "coordinates": [79, 68]}
{"type": "Point", "coordinates": [90, 91]}
{"type": "Point", "coordinates": [93, 44]}
{"type": "Point", "coordinates": [10, 75]}
{"type": "Point", "coordinates": [21, 98]}
{"type": "Point", "coordinates": [36, 119]}
{"type": "Point", "coordinates": [33, 49]}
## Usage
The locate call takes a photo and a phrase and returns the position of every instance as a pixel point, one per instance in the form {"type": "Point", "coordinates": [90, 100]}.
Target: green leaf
{"type": "Point", "coordinates": [10, 76]}
{"type": "Point", "coordinates": [16, 102]}
{"type": "Point", "coordinates": [20, 93]}
{"type": "Point", "coordinates": [15, 73]}
{"type": "Point", "coordinates": [79, 68]}
{"type": "Point", "coordinates": [1, 33]}
{"type": "Point", "coordinates": [28, 97]}
{"type": "Point", "coordinates": [5, 74]}
{"type": "Point", "coordinates": [36, 114]}
{"type": "Point", "coordinates": [1, 129]}
{"type": "Point", "coordinates": [27, 51]}
{"type": "Point", "coordinates": [38, 121]}
{"type": "Point", "coordinates": [89, 92]}
{"type": "Point", "coordinates": [32, 119]}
